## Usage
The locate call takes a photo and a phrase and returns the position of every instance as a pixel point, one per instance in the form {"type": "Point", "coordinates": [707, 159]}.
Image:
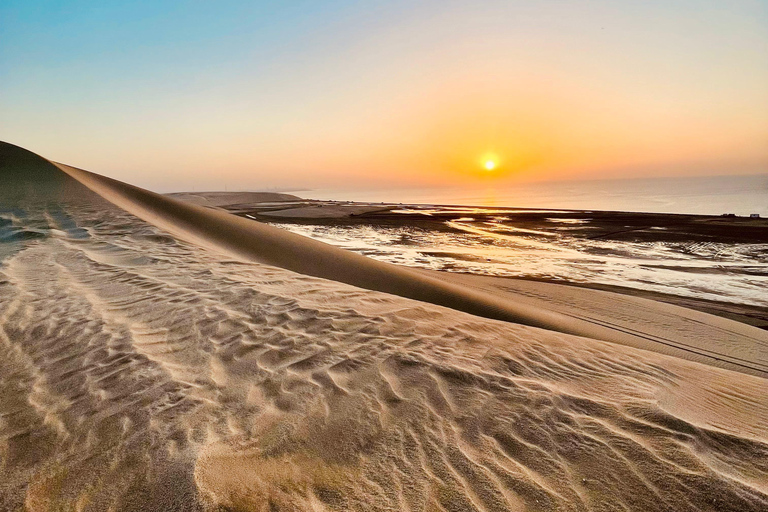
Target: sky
{"type": "Point", "coordinates": [196, 95]}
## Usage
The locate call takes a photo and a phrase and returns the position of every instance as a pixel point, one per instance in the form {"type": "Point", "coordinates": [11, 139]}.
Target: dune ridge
{"type": "Point", "coordinates": [254, 241]}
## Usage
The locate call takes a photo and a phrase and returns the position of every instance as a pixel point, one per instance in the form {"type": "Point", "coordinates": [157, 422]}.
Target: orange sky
{"type": "Point", "coordinates": [337, 95]}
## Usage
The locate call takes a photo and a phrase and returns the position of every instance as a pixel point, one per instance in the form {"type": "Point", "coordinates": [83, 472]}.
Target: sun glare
{"type": "Point", "coordinates": [490, 165]}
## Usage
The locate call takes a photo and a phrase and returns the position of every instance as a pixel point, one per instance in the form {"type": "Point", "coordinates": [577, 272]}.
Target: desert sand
{"type": "Point", "coordinates": [162, 355]}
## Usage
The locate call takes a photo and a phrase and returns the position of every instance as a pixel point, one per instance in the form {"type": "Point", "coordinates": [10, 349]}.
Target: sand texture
{"type": "Point", "coordinates": [639, 322]}
{"type": "Point", "coordinates": [144, 372]}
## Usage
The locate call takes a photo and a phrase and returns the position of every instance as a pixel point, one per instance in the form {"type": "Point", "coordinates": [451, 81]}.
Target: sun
{"type": "Point", "coordinates": [490, 165]}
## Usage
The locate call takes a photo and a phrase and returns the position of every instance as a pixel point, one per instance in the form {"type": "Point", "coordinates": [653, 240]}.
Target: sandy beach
{"type": "Point", "coordinates": [171, 353]}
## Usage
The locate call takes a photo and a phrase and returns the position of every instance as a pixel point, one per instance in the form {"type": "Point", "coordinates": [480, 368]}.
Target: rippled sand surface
{"type": "Point", "coordinates": [139, 372]}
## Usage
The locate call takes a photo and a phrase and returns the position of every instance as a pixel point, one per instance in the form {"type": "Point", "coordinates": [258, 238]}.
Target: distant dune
{"type": "Point", "coordinates": [254, 369]}
{"type": "Point", "coordinates": [232, 198]}
{"type": "Point", "coordinates": [717, 341]}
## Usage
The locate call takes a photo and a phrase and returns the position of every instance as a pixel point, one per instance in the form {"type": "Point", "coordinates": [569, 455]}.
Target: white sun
{"type": "Point", "coordinates": [490, 165]}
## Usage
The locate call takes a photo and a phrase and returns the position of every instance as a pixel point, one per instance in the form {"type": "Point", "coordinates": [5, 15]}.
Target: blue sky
{"type": "Point", "coordinates": [171, 94]}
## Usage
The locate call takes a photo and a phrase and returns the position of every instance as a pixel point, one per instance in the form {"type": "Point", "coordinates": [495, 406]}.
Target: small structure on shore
{"type": "Point", "coordinates": [754, 215]}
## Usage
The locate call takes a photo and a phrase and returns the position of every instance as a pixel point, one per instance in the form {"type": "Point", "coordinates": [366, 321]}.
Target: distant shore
{"type": "Point", "coordinates": [609, 225]}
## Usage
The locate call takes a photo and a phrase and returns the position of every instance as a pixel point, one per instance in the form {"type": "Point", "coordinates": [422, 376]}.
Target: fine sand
{"type": "Point", "coordinates": [144, 372]}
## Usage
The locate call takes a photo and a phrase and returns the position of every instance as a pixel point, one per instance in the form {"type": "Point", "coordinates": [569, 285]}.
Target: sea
{"type": "Point", "coordinates": [705, 195]}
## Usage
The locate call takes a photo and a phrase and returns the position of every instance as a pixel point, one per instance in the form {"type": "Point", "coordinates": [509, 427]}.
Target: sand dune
{"type": "Point", "coordinates": [141, 372]}
{"type": "Point", "coordinates": [256, 242]}
{"type": "Point", "coordinates": [214, 199]}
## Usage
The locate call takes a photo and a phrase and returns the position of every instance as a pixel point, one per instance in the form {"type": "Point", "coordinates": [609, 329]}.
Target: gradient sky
{"type": "Point", "coordinates": [245, 94]}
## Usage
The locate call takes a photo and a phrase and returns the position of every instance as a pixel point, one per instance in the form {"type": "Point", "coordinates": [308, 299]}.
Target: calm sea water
{"type": "Point", "coordinates": [708, 195]}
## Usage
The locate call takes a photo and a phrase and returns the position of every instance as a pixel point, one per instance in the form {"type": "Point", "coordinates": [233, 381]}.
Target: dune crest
{"type": "Point", "coordinates": [253, 241]}
{"type": "Point", "coordinates": [256, 242]}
